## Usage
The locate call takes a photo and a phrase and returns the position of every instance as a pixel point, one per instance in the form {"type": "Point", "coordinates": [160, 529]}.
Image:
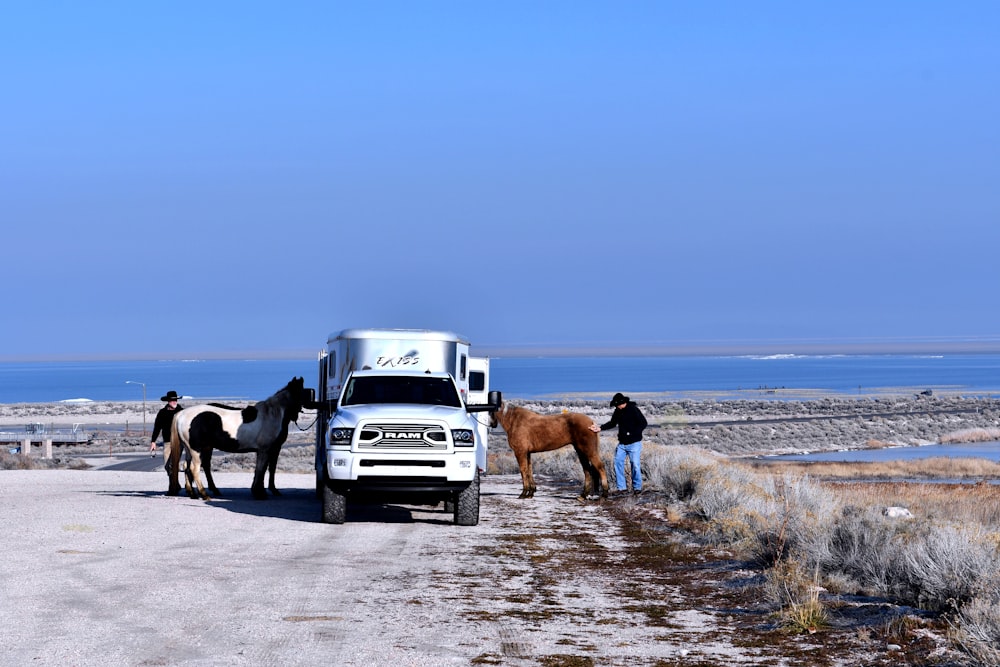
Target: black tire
{"type": "Point", "coordinates": [467, 504]}
{"type": "Point", "coordinates": [334, 505]}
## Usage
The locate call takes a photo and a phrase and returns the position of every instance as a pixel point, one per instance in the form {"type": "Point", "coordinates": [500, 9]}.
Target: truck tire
{"type": "Point", "coordinates": [334, 505]}
{"type": "Point", "coordinates": [467, 504]}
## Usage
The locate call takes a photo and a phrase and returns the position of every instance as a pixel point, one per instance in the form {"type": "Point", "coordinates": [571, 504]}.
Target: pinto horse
{"type": "Point", "coordinates": [529, 432]}
{"type": "Point", "coordinates": [261, 428]}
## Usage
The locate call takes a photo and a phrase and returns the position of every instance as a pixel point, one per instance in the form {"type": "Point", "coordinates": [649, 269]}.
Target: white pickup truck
{"type": "Point", "coordinates": [398, 422]}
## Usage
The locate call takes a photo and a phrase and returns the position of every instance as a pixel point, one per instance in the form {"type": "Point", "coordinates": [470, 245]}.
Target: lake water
{"type": "Point", "coordinates": [518, 377]}
{"type": "Point", "coordinates": [982, 450]}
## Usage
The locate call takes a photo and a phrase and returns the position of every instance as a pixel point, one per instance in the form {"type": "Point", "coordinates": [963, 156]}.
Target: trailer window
{"type": "Point", "coordinates": [477, 381]}
{"type": "Point", "coordinates": [462, 368]}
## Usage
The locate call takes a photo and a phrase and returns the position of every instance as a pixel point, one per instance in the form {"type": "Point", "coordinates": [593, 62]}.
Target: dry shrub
{"type": "Point", "coordinates": [945, 567]}
{"type": "Point", "coordinates": [677, 471]}
{"type": "Point", "coordinates": [859, 550]}
{"type": "Point", "coordinates": [725, 491]}
{"type": "Point", "coordinates": [976, 627]}
{"type": "Point", "coordinates": [10, 461]}
{"type": "Point", "coordinates": [770, 517]}
{"type": "Point", "coordinates": [928, 565]}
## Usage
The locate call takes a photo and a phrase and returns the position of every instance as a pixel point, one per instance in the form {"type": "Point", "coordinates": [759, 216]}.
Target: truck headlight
{"type": "Point", "coordinates": [341, 436]}
{"type": "Point", "coordinates": [463, 437]}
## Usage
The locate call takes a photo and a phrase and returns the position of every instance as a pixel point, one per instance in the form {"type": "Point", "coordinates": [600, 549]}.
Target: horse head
{"type": "Point", "coordinates": [493, 414]}
{"type": "Point", "coordinates": [296, 396]}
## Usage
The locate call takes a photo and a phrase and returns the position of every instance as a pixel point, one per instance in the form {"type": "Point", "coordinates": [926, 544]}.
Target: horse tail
{"type": "Point", "coordinates": [172, 457]}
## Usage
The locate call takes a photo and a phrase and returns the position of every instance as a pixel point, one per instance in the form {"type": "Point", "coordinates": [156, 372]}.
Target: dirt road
{"type": "Point", "coordinates": [100, 567]}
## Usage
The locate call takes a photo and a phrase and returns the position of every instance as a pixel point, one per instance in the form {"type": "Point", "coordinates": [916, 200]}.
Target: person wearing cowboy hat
{"type": "Point", "coordinates": [165, 419]}
{"type": "Point", "coordinates": [630, 422]}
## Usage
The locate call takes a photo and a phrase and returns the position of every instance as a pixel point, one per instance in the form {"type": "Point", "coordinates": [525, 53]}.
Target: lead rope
{"type": "Point", "coordinates": [296, 422]}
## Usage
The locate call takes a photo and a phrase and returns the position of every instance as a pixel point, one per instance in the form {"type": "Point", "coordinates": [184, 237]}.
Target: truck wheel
{"type": "Point", "coordinates": [334, 505]}
{"type": "Point", "coordinates": [467, 504]}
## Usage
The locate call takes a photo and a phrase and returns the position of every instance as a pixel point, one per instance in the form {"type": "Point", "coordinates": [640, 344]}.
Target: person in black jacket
{"type": "Point", "coordinates": [165, 419]}
{"type": "Point", "coordinates": [630, 422]}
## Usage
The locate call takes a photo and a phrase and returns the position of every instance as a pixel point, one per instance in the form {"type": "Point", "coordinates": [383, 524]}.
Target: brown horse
{"type": "Point", "coordinates": [529, 432]}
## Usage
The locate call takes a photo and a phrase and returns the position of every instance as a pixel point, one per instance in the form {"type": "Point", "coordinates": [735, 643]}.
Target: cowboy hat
{"type": "Point", "coordinates": [171, 396]}
{"type": "Point", "coordinates": [618, 399]}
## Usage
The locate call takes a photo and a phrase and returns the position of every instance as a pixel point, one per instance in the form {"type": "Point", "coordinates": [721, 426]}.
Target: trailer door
{"type": "Point", "coordinates": [479, 389]}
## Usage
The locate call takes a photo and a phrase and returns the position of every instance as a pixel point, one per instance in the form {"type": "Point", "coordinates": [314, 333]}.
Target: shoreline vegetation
{"type": "Point", "coordinates": [820, 536]}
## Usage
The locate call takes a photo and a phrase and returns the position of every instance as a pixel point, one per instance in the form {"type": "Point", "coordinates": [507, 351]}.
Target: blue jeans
{"type": "Point", "coordinates": [633, 451]}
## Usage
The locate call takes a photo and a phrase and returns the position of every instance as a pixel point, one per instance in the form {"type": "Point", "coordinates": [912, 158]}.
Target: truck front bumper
{"type": "Point", "coordinates": [429, 472]}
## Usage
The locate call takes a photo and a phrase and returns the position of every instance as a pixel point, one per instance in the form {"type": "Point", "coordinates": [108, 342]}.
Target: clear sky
{"type": "Point", "coordinates": [205, 178]}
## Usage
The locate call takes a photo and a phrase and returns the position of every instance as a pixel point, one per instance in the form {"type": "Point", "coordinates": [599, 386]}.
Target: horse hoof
{"type": "Point", "coordinates": [173, 492]}
{"type": "Point", "coordinates": [275, 492]}
{"type": "Point", "coordinates": [582, 500]}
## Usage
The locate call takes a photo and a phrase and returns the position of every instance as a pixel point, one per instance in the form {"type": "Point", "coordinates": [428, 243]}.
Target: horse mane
{"type": "Point", "coordinates": [288, 399]}
{"type": "Point", "coordinates": [509, 415]}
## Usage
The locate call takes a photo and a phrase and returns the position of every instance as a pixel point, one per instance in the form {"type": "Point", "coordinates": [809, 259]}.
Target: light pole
{"type": "Point", "coordinates": [143, 403]}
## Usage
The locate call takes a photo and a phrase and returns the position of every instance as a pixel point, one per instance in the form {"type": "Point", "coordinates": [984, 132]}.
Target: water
{"type": "Point", "coordinates": [110, 380]}
{"type": "Point", "coordinates": [535, 377]}
{"type": "Point", "coordinates": [848, 374]}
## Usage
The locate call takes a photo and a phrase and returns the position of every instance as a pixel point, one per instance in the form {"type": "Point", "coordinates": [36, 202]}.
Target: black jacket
{"type": "Point", "coordinates": [630, 422]}
{"type": "Point", "coordinates": [164, 422]}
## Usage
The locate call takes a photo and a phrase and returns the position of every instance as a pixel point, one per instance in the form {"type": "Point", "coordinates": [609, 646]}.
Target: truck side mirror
{"type": "Point", "coordinates": [494, 400]}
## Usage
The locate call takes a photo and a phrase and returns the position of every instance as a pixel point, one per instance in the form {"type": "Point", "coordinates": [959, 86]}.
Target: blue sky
{"type": "Point", "coordinates": [191, 178]}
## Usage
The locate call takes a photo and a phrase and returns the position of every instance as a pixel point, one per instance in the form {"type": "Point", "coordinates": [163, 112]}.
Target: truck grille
{"type": "Point", "coordinates": [403, 436]}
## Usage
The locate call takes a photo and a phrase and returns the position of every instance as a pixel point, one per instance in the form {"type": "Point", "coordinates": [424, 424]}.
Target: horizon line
{"type": "Point", "coordinates": [715, 348]}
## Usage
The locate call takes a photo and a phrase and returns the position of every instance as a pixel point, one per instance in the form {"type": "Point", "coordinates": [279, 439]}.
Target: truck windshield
{"type": "Point", "coordinates": [400, 389]}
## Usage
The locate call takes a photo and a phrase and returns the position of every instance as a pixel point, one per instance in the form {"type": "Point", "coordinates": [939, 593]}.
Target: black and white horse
{"type": "Point", "coordinates": [260, 428]}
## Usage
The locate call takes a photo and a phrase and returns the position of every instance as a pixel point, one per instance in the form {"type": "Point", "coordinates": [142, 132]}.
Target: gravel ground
{"type": "Point", "coordinates": [101, 568]}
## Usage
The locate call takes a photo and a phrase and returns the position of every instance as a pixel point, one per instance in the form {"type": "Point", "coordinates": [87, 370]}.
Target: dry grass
{"type": "Point", "coordinates": [938, 467]}
{"type": "Point", "coordinates": [971, 435]}
{"type": "Point", "coordinates": [963, 504]}
{"type": "Point", "coordinates": [797, 598]}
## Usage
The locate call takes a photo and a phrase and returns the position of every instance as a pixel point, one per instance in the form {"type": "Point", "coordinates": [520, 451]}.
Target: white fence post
{"type": "Point", "coordinates": [26, 447]}
{"type": "Point", "coordinates": [48, 448]}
